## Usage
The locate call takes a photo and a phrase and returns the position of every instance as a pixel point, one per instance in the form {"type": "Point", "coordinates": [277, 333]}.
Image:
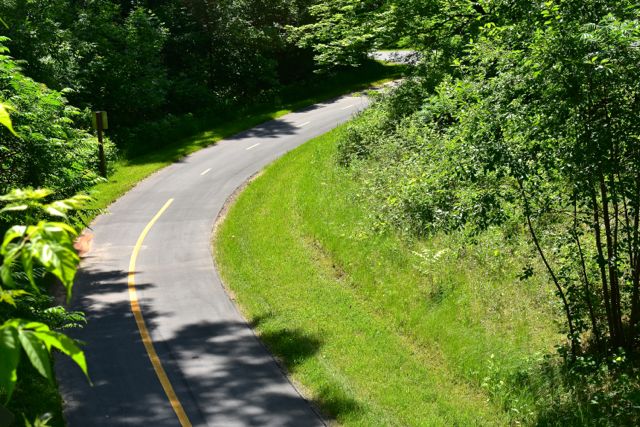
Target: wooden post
{"type": "Point", "coordinates": [100, 129]}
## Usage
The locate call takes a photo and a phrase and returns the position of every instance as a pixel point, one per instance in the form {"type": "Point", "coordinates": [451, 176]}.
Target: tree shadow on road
{"type": "Point", "coordinates": [220, 365]}
{"type": "Point", "coordinates": [113, 348]}
{"type": "Point", "coordinates": [270, 129]}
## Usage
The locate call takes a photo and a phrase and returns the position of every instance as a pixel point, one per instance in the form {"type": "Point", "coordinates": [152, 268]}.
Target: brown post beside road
{"type": "Point", "coordinates": [100, 129]}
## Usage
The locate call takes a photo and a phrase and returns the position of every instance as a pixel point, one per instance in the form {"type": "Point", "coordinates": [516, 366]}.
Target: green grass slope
{"type": "Point", "coordinates": [377, 329]}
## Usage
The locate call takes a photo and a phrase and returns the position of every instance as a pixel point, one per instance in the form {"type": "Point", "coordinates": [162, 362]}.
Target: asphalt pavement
{"type": "Point", "coordinates": [407, 57]}
{"type": "Point", "coordinates": [202, 365]}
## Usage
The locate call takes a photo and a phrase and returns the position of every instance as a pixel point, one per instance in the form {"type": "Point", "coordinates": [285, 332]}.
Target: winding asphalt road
{"type": "Point", "coordinates": [150, 277]}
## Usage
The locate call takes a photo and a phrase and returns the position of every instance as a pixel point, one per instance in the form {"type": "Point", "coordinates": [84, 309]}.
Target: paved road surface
{"type": "Point", "coordinates": [408, 57]}
{"type": "Point", "coordinates": [217, 372]}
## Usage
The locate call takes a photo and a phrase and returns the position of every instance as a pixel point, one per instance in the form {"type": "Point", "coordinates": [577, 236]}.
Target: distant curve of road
{"type": "Point", "coordinates": [165, 344]}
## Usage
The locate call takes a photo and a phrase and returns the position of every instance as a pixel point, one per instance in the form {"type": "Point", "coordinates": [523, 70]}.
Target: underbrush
{"type": "Point", "coordinates": [35, 398]}
{"type": "Point", "coordinates": [416, 167]}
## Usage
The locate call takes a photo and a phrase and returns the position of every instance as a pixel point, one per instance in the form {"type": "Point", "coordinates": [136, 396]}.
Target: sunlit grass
{"type": "Point", "coordinates": [406, 332]}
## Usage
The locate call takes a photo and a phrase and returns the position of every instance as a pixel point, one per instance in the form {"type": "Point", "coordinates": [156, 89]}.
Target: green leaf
{"type": "Point", "coordinates": [54, 212]}
{"type": "Point", "coordinates": [9, 358]}
{"type": "Point", "coordinates": [59, 260]}
{"type": "Point", "coordinates": [14, 208]}
{"type": "Point", "coordinates": [5, 274]}
{"type": "Point", "coordinates": [25, 194]}
{"type": "Point", "coordinates": [11, 234]}
{"type": "Point", "coordinates": [61, 207]}
{"type": "Point", "coordinates": [51, 245]}
{"type": "Point", "coordinates": [57, 227]}
{"type": "Point", "coordinates": [36, 352]}
{"type": "Point", "coordinates": [41, 421]}
{"type": "Point", "coordinates": [8, 297]}
{"type": "Point", "coordinates": [5, 119]}
{"type": "Point", "coordinates": [27, 264]}
{"type": "Point", "coordinates": [66, 345]}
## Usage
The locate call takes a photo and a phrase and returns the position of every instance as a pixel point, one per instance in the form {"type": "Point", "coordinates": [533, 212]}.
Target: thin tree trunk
{"type": "Point", "coordinates": [585, 277]}
{"type": "Point", "coordinates": [629, 231]}
{"type": "Point", "coordinates": [617, 336]}
{"type": "Point", "coordinates": [616, 234]}
{"type": "Point", "coordinates": [612, 235]}
{"type": "Point", "coordinates": [635, 294]}
{"type": "Point", "coordinates": [601, 259]}
{"type": "Point", "coordinates": [536, 242]}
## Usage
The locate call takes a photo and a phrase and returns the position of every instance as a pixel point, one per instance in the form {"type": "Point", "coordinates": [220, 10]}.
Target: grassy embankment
{"type": "Point", "coordinates": [380, 330]}
{"type": "Point", "coordinates": [34, 396]}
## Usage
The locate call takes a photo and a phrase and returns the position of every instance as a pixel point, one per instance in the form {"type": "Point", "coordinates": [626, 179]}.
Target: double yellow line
{"type": "Point", "coordinates": [142, 327]}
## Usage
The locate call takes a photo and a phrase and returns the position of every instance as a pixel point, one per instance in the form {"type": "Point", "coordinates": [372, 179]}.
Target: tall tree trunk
{"type": "Point", "coordinates": [635, 293]}
{"type": "Point", "coordinates": [601, 261]}
{"type": "Point", "coordinates": [618, 336]}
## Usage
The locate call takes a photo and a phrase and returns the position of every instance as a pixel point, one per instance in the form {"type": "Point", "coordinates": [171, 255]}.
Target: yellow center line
{"type": "Point", "coordinates": [142, 327]}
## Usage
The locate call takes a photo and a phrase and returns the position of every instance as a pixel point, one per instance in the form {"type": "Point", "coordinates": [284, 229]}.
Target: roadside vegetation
{"type": "Point", "coordinates": [517, 137]}
{"type": "Point", "coordinates": [467, 251]}
{"type": "Point", "coordinates": [377, 328]}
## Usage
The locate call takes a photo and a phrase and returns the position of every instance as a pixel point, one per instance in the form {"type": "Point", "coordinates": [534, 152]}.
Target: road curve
{"type": "Point", "coordinates": [219, 372]}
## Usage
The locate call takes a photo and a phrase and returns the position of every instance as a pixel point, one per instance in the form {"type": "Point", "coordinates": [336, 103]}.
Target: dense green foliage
{"type": "Point", "coordinates": [46, 146]}
{"type": "Point", "coordinates": [141, 59]}
{"type": "Point", "coordinates": [42, 143]}
{"type": "Point", "coordinates": [38, 249]}
{"type": "Point", "coordinates": [536, 122]}
{"type": "Point", "coordinates": [343, 32]}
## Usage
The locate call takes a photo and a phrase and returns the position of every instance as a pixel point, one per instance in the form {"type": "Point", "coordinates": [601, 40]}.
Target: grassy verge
{"type": "Point", "coordinates": [380, 330]}
{"type": "Point", "coordinates": [191, 133]}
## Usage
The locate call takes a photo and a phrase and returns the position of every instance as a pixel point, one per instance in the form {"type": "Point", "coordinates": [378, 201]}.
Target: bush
{"type": "Point", "coordinates": [535, 130]}
{"type": "Point", "coordinates": [51, 149]}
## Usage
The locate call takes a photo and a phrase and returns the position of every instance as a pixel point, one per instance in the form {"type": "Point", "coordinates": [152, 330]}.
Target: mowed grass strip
{"type": "Point", "coordinates": [373, 337]}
